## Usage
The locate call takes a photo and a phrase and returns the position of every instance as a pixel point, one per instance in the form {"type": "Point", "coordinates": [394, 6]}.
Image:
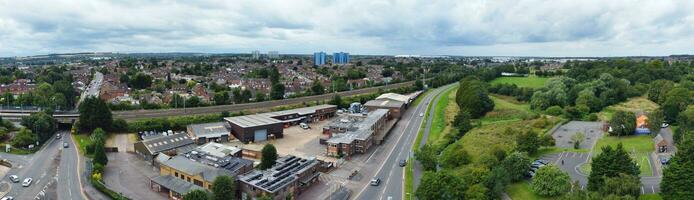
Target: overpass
{"type": "Point", "coordinates": [71, 116]}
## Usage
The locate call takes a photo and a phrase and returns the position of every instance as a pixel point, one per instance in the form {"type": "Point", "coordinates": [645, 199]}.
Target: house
{"type": "Point", "coordinates": [260, 127]}
{"type": "Point", "coordinates": [195, 169]}
{"type": "Point", "coordinates": [208, 132]}
{"type": "Point", "coordinates": [661, 145]}
{"type": "Point", "coordinates": [286, 179]}
{"type": "Point", "coordinates": [168, 144]}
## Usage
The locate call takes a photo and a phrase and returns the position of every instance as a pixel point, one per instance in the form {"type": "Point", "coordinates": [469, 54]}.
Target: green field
{"type": "Point", "coordinates": [506, 109]}
{"type": "Point", "coordinates": [530, 81]}
{"type": "Point", "coordinates": [444, 112]}
{"type": "Point", "coordinates": [639, 147]}
{"type": "Point", "coordinates": [635, 104]}
{"type": "Point", "coordinates": [521, 190]}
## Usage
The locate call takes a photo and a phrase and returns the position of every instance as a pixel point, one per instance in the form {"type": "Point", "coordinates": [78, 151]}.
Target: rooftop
{"type": "Point", "coordinates": [280, 175]}
{"type": "Point", "coordinates": [208, 130]}
{"type": "Point", "coordinates": [166, 142]}
{"type": "Point", "coordinates": [272, 117]}
{"type": "Point", "coordinates": [358, 128]}
{"type": "Point", "coordinates": [176, 184]}
{"type": "Point", "coordinates": [218, 150]}
{"type": "Point", "coordinates": [393, 96]}
{"type": "Point", "coordinates": [206, 165]}
{"type": "Point", "coordinates": [385, 103]}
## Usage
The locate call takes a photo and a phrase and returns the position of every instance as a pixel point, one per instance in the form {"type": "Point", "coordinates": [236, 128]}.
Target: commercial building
{"type": "Point", "coordinates": [273, 54]}
{"type": "Point", "coordinates": [340, 58]}
{"type": "Point", "coordinates": [354, 133]}
{"type": "Point", "coordinates": [319, 58]}
{"type": "Point", "coordinates": [209, 132]}
{"type": "Point", "coordinates": [195, 169]}
{"type": "Point", "coordinates": [166, 144]}
{"type": "Point", "coordinates": [260, 127]}
{"type": "Point", "coordinates": [396, 103]}
{"type": "Point", "coordinates": [255, 54]}
{"type": "Point", "coordinates": [288, 177]}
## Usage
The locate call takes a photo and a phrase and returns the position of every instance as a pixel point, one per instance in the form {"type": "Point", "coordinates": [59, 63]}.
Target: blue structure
{"type": "Point", "coordinates": [340, 58]}
{"type": "Point", "coordinates": [319, 58]}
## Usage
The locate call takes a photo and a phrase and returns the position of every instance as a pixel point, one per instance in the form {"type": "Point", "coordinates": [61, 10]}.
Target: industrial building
{"type": "Point", "coordinates": [166, 144]}
{"type": "Point", "coordinates": [260, 127]}
{"type": "Point", "coordinates": [288, 177]}
{"type": "Point", "coordinates": [354, 133]}
{"type": "Point", "coordinates": [396, 103]}
{"type": "Point", "coordinates": [196, 169]}
{"type": "Point", "coordinates": [209, 132]}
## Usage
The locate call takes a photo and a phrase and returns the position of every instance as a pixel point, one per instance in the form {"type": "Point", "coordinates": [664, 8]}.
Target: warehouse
{"type": "Point", "coordinates": [264, 126]}
{"type": "Point", "coordinates": [209, 132]}
{"type": "Point", "coordinates": [167, 144]}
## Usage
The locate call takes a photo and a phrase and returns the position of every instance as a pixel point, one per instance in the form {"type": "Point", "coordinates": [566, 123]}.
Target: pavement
{"type": "Point", "coordinates": [417, 168]}
{"type": "Point", "coordinates": [385, 159]}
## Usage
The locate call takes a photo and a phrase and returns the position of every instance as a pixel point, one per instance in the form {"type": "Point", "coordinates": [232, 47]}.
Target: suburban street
{"type": "Point", "coordinates": [398, 146]}
{"type": "Point", "coordinates": [41, 167]}
{"type": "Point", "coordinates": [68, 171]}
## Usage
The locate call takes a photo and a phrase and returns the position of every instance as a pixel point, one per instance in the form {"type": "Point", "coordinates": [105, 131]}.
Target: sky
{"type": "Point", "coordinates": [363, 27]}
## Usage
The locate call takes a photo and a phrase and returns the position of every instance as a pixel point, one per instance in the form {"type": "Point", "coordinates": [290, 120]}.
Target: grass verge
{"type": "Point", "coordinates": [83, 140]}
{"type": "Point", "coordinates": [442, 115]}
{"type": "Point", "coordinates": [638, 147]}
{"type": "Point", "coordinates": [521, 190]}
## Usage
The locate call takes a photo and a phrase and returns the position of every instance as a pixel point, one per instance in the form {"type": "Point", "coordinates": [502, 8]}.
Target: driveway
{"type": "Point", "coordinates": [129, 175]}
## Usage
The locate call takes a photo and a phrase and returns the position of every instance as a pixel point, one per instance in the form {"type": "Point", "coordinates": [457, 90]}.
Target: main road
{"type": "Point", "coordinates": [41, 167]}
{"type": "Point", "coordinates": [403, 136]}
{"type": "Point", "coordinates": [70, 186]}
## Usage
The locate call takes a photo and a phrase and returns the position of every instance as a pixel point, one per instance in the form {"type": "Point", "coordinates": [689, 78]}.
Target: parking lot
{"type": "Point", "coordinates": [592, 130]}
{"type": "Point", "coordinates": [126, 172]}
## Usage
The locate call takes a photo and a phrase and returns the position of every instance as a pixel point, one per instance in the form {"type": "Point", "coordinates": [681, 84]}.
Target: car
{"type": "Point", "coordinates": [57, 136]}
{"type": "Point", "coordinates": [664, 125]}
{"type": "Point", "coordinates": [421, 114]}
{"type": "Point", "coordinates": [7, 198]}
{"type": "Point", "coordinates": [531, 174]}
{"type": "Point", "coordinates": [403, 162]}
{"type": "Point", "coordinates": [27, 182]}
{"type": "Point", "coordinates": [664, 161]}
{"type": "Point", "coordinates": [544, 162]}
{"type": "Point", "coordinates": [66, 145]}
{"type": "Point", "coordinates": [375, 181]}
{"type": "Point", "coordinates": [304, 126]}
{"type": "Point", "coordinates": [14, 178]}
{"type": "Point", "coordinates": [536, 165]}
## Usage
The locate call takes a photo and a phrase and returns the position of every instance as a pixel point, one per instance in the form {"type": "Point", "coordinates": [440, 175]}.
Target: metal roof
{"type": "Point", "coordinates": [270, 117]}
{"type": "Point", "coordinates": [395, 97]}
{"type": "Point", "coordinates": [165, 143]}
{"type": "Point", "coordinates": [207, 166]}
{"type": "Point", "coordinates": [384, 103]}
{"type": "Point", "coordinates": [176, 184]}
{"type": "Point", "coordinates": [210, 130]}
{"type": "Point", "coordinates": [284, 172]}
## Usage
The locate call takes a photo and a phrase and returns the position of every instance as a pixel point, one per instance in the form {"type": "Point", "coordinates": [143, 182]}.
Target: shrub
{"type": "Point", "coordinates": [554, 111]}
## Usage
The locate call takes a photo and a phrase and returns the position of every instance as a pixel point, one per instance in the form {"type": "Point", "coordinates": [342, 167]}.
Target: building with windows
{"type": "Point", "coordinates": [263, 126]}
{"type": "Point", "coordinates": [273, 54]}
{"type": "Point", "coordinates": [255, 54]}
{"type": "Point", "coordinates": [340, 58]}
{"type": "Point", "coordinates": [354, 133]}
{"type": "Point", "coordinates": [319, 58]}
{"type": "Point", "coordinates": [195, 169]}
{"type": "Point", "coordinates": [209, 132]}
{"type": "Point", "coordinates": [289, 177]}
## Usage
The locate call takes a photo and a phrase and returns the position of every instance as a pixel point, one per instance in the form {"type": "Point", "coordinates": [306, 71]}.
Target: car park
{"type": "Point", "coordinates": [375, 181]}
{"type": "Point", "coordinates": [403, 162]}
{"type": "Point", "coordinates": [14, 178]}
{"type": "Point", "coordinates": [27, 182]}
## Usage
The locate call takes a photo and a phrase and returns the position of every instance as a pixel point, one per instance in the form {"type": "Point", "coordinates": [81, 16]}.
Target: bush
{"type": "Point", "coordinates": [551, 181]}
{"type": "Point", "coordinates": [96, 182]}
{"type": "Point", "coordinates": [554, 111]}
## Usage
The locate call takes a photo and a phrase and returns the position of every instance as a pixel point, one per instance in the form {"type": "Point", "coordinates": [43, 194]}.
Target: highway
{"type": "Point", "coordinates": [397, 147]}
{"type": "Point", "coordinates": [143, 114]}
{"type": "Point", "coordinates": [68, 172]}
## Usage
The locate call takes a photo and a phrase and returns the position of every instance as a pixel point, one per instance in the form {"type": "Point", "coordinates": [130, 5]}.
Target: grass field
{"type": "Point", "coordinates": [444, 112]}
{"type": "Point", "coordinates": [521, 190]}
{"type": "Point", "coordinates": [530, 81]}
{"type": "Point", "coordinates": [639, 147]}
{"type": "Point", "coordinates": [650, 197]}
{"type": "Point", "coordinates": [636, 104]}
{"type": "Point", "coordinates": [506, 109]}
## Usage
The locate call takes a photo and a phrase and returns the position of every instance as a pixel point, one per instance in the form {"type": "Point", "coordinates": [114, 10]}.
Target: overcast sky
{"type": "Point", "coordinates": [427, 27]}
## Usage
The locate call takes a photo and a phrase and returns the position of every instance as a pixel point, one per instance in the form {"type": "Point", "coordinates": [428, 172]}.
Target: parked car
{"type": "Point", "coordinates": [304, 126]}
{"type": "Point", "coordinates": [403, 162]}
{"type": "Point", "coordinates": [664, 161]}
{"type": "Point", "coordinates": [14, 178]}
{"type": "Point", "coordinates": [7, 198]}
{"type": "Point", "coordinates": [375, 181]}
{"type": "Point", "coordinates": [664, 125]}
{"type": "Point", "coordinates": [542, 161]}
{"type": "Point", "coordinates": [27, 182]}
{"type": "Point", "coordinates": [66, 145]}
{"type": "Point", "coordinates": [536, 166]}
{"type": "Point", "coordinates": [57, 136]}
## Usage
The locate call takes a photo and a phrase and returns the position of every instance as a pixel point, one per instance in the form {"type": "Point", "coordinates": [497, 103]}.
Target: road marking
{"type": "Point", "coordinates": [653, 188]}
{"type": "Point", "coordinates": [642, 190]}
{"type": "Point", "coordinates": [372, 154]}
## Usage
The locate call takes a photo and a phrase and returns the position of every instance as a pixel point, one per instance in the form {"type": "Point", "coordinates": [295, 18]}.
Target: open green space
{"type": "Point", "coordinates": [444, 112]}
{"type": "Point", "coordinates": [521, 190]}
{"type": "Point", "coordinates": [635, 104]}
{"type": "Point", "coordinates": [506, 109]}
{"type": "Point", "coordinates": [530, 81]}
{"type": "Point", "coordinates": [638, 147]}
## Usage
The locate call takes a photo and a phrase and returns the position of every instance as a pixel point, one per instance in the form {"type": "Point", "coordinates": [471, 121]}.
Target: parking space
{"type": "Point", "coordinates": [563, 135]}
{"type": "Point", "coordinates": [126, 172]}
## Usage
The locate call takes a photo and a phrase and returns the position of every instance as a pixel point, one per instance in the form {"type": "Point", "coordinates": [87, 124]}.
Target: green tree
{"type": "Point", "coordinates": [337, 100]}
{"type": "Point", "coordinates": [517, 165]}
{"type": "Point", "coordinates": [622, 185]}
{"type": "Point", "coordinates": [259, 97]}
{"type": "Point", "coordinates": [657, 90]}
{"type": "Point", "coordinates": [141, 81]}
{"type": "Point", "coordinates": [269, 156]}
{"type": "Point", "coordinates": [623, 123]}
{"type": "Point", "coordinates": [94, 113]}
{"type": "Point", "coordinates": [277, 91]}
{"type": "Point", "coordinates": [41, 124]}
{"type": "Point", "coordinates": [317, 88]}
{"type": "Point", "coordinates": [610, 163]}
{"type": "Point", "coordinates": [472, 97]}
{"type": "Point", "coordinates": [196, 195]}
{"type": "Point", "coordinates": [476, 192]}
{"type": "Point", "coordinates": [454, 156]}
{"type": "Point", "coordinates": [577, 139]}
{"type": "Point", "coordinates": [550, 181]}
{"type": "Point", "coordinates": [100, 154]}
{"type": "Point", "coordinates": [496, 181]}
{"type": "Point", "coordinates": [427, 156]}
{"type": "Point", "coordinates": [528, 141]}
{"type": "Point", "coordinates": [441, 185]}
{"type": "Point", "coordinates": [686, 122]}
{"type": "Point", "coordinates": [98, 136]}
{"type": "Point", "coordinates": [462, 121]}
{"type": "Point", "coordinates": [24, 138]}
{"type": "Point", "coordinates": [677, 100]}
{"type": "Point", "coordinates": [677, 177]}
{"type": "Point", "coordinates": [655, 119]}
{"type": "Point", "coordinates": [221, 98]}
{"type": "Point", "coordinates": [223, 188]}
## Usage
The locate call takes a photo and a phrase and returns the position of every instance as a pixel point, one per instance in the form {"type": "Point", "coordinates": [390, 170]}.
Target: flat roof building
{"type": "Point", "coordinates": [209, 132]}
{"type": "Point", "coordinates": [288, 177]}
{"type": "Point", "coordinates": [260, 127]}
{"type": "Point", "coordinates": [182, 173]}
{"type": "Point", "coordinates": [167, 144]}
{"type": "Point", "coordinates": [354, 133]}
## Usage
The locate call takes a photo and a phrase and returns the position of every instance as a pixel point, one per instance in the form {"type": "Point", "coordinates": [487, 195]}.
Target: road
{"type": "Point", "coordinates": [397, 147]}
{"type": "Point", "coordinates": [68, 171]}
{"type": "Point", "coordinates": [41, 167]}
{"type": "Point", "coordinates": [94, 87]}
{"type": "Point", "coordinates": [143, 114]}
